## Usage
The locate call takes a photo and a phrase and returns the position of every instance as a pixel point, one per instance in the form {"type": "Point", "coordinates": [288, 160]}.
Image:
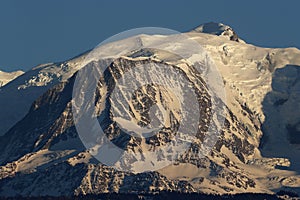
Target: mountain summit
{"type": "Point", "coordinates": [218, 29]}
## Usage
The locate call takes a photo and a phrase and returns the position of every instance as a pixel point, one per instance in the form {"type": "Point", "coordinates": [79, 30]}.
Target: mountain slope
{"type": "Point", "coordinates": [42, 147]}
{"type": "Point", "coordinates": [218, 29]}
{"type": "Point", "coordinates": [6, 77]}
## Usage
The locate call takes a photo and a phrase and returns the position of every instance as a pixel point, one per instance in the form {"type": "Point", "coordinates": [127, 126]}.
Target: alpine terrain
{"type": "Point", "coordinates": [6, 77]}
{"type": "Point", "coordinates": [257, 150]}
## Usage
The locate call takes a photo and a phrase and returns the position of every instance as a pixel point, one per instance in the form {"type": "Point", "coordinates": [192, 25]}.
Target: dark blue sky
{"type": "Point", "coordinates": [35, 31]}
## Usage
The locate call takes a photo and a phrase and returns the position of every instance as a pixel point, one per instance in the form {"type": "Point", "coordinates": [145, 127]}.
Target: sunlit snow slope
{"type": "Point", "coordinates": [6, 77]}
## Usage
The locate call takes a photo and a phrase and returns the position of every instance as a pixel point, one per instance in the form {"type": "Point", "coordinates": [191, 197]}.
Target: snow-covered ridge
{"type": "Point", "coordinates": [6, 77]}
{"type": "Point", "coordinates": [218, 29]}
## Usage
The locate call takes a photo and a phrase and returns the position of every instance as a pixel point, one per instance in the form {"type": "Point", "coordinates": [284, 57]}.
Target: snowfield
{"type": "Point", "coordinates": [6, 77]}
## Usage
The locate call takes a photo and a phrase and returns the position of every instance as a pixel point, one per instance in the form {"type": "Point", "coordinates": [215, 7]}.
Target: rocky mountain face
{"type": "Point", "coordinates": [256, 151]}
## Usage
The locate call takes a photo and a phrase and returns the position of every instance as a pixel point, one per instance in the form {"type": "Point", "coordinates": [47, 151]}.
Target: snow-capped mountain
{"type": "Point", "coordinates": [218, 29]}
{"type": "Point", "coordinates": [6, 77]}
{"type": "Point", "coordinates": [257, 150]}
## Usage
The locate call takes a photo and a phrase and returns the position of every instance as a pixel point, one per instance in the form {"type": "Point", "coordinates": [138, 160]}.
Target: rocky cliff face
{"type": "Point", "coordinates": [256, 151]}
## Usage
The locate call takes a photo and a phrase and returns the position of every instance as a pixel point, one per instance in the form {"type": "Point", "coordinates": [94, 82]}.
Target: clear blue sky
{"type": "Point", "coordinates": [35, 31]}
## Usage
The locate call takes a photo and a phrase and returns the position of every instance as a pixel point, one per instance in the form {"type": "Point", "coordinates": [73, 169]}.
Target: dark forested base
{"type": "Point", "coordinates": [160, 196]}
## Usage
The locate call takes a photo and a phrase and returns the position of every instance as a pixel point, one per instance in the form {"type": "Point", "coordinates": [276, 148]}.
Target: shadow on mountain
{"type": "Point", "coordinates": [43, 126]}
{"type": "Point", "coordinates": [66, 181]}
{"type": "Point", "coordinates": [157, 196]}
{"type": "Point", "coordinates": [281, 107]}
{"type": "Point", "coordinates": [15, 100]}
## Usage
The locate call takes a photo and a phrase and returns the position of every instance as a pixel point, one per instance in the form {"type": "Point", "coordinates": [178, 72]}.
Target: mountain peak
{"type": "Point", "coordinates": [218, 29]}
{"type": "Point", "coordinates": [256, 152]}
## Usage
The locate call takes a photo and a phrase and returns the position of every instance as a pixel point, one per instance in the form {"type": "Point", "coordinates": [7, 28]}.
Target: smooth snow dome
{"type": "Point", "coordinates": [218, 29]}
{"type": "Point", "coordinates": [212, 28]}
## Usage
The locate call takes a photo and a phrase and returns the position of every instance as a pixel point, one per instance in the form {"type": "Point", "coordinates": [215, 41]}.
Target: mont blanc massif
{"type": "Point", "coordinates": [256, 151]}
